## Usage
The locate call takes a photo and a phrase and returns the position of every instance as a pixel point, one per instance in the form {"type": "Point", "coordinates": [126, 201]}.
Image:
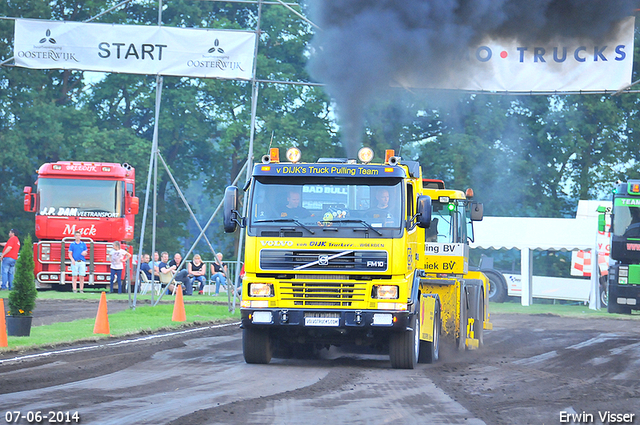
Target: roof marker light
{"type": "Point", "coordinates": [274, 154]}
{"type": "Point", "coordinates": [388, 154]}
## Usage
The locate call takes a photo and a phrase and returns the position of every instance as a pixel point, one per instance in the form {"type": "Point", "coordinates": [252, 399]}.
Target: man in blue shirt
{"type": "Point", "coordinates": [145, 266]}
{"type": "Point", "coordinates": [77, 252]}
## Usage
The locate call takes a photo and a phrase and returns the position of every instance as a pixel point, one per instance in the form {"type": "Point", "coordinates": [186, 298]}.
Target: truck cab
{"type": "Point", "coordinates": [624, 268]}
{"type": "Point", "coordinates": [95, 198]}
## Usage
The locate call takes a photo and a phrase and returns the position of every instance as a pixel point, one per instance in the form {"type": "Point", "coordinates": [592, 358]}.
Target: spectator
{"type": "Point", "coordinates": [197, 270]}
{"type": "Point", "coordinates": [9, 257]}
{"type": "Point", "coordinates": [145, 267]}
{"type": "Point", "coordinates": [219, 272]}
{"type": "Point", "coordinates": [181, 276]}
{"type": "Point", "coordinates": [77, 253]}
{"type": "Point", "coordinates": [118, 257]}
{"type": "Point", "coordinates": [155, 264]}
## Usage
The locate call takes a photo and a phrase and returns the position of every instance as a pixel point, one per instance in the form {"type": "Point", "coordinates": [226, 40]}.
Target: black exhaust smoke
{"type": "Point", "coordinates": [366, 45]}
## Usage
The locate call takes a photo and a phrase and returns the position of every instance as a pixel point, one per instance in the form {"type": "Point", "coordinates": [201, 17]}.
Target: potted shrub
{"type": "Point", "coordinates": [22, 298]}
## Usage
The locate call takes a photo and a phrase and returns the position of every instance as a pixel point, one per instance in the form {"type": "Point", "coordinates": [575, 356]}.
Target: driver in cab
{"type": "Point", "coordinates": [382, 212]}
{"type": "Point", "coordinates": [293, 208]}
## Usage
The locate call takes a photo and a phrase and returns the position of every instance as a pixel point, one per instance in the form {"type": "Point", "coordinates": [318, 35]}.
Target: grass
{"type": "Point", "coordinates": [144, 319]}
{"type": "Point", "coordinates": [94, 294]}
{"type": "Point", "coordinates": [567, 310]}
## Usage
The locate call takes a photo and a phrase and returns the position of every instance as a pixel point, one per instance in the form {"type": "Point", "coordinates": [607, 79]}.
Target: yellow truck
{"type": "Point", "coordinates": [349, 253]}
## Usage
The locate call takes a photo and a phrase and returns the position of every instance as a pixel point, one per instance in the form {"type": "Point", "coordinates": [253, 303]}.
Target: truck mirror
{"type": "Point", "coordinates": [423, 212]}
{"type": "Point", "coordinates": [230, 209]}
{"type": "Point", "coordinates": [29, 199]}
{"type": "Point", "coordinates": [477, 211]}
{"type": "Point", "coordinates": [135, 205]}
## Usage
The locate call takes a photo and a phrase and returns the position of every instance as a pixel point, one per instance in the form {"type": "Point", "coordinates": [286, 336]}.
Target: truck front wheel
{"type": "Point", "coordinates": [256, 346]}
{"type": "Point", "coordinates": [461, 341]}
{"type": "Point", "coordinates": [430, 350]}
{"type": "Point", "coordinates": [404, 347]}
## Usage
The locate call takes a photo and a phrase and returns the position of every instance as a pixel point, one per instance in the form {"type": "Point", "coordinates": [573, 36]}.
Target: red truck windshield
{"type": "Point", "coordinates": [80, 198]}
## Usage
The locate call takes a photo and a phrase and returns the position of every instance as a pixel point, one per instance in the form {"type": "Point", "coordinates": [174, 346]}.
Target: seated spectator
{"type": "Point", "coordinates": [239, 283]}
{"type": "Point", "coordinates": [154, 266]}
{"type": "Point", "coordinates": [197, 270]}
{"type": "Point", "coordinates": [181, 276]}
{"type": "Point", "coordinates": [219, 272]}
{"type": "Point", "coordinates": [145, 267]}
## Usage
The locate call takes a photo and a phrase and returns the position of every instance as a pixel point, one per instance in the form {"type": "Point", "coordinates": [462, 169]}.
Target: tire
{"type": "Point", "coordinates": [604, 297]}
{"type": "Point", "coordinates": [256, 346]}
{"type": "Point", "coordinates": [478, 323]}
{"type": "Point", "coordinates": [404, 347]}
{"type": "Point", "coordinates": [498, 291]}
{"type": "Point", "coordinates": [430, 350]}
{"type": "Point", "coordinates": [461, 341]}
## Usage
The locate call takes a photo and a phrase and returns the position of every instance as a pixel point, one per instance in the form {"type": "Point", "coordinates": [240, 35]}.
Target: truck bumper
{"type": "Point", "coordinates": [295, 319]}
{"type": "Point", "coordinates": [628, 295]}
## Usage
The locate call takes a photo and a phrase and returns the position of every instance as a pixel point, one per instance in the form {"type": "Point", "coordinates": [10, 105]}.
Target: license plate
{"type": "Point", "coordinates": [322, 321]}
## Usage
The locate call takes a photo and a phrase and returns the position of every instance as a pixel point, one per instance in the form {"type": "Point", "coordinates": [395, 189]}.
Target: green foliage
{"type": "Point", "coordinates": [142, 320]}
{"type": "Point", "coordinates": [22, 299]}
{"type": "Point", "coordinates": [524, 155]}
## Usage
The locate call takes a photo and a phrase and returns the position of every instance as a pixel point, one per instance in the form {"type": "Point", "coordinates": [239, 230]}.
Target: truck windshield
{"type": "Point", "coordinates": [446, 224]}
{"type": "Point", "coordinates": [357, 203]}
{"type": "Point", "coordinates": [626, 220]}
{"type": "Point", "coordinates": [82, 198]}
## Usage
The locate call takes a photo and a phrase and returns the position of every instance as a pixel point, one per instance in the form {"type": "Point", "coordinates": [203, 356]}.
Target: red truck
{"type": "Point", "coordinates": [96, 198]}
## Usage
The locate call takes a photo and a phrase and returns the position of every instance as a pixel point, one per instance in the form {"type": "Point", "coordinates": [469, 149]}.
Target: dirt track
{"type": "Point", "coordinates": [530, 370]}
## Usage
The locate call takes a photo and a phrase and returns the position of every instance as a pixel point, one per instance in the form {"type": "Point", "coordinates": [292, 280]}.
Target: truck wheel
{"type": "Point", "coordinates": [430, 350]}
{"type": "Point", "coordinates": [497, 286]}
{"type": "Point", "coordinates": [404, 347]}
{"type": "Point", "coordinates": [256, 346]}
{"type": "Point", "coordinates": [478, 323]}
{"type": "Point", "coordinates": [461, 342]}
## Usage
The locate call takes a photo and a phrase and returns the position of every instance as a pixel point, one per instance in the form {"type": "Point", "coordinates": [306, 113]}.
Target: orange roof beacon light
{"type": "Point", "coordinates": [389, 153]}
{"type": "Point", "coordinates": [294, 155]}
{"type": "Point", "coordinates": [365, 155]}
{"type": "Point", "coordinates": [469, 193]}
{"type": "Point", "coordinates": [634, 188]}
{"type": "Point", "coordinates": [274, 154]}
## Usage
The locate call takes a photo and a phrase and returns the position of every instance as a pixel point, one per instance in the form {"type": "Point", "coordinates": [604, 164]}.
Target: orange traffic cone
{"type": "Point", "coordinates": [102, 318]}
{"type": "Point", "coordinates": [179, 315]}
{"type": "Point", "coordinates": [3, 326]}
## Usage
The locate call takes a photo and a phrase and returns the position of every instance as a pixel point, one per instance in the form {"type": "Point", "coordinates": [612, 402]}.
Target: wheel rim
{"type": "Point", "coordinates": [492, 289]}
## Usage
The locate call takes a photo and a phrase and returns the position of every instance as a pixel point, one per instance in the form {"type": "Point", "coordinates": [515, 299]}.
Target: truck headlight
{"type": "Point", "coordinates": [261, 290]}
{"type": "Point", "coordinates": [385, 292]}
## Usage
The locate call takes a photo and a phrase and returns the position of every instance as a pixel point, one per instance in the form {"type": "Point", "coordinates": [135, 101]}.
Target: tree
{"type": "Point", "coordinates": [22, 299]}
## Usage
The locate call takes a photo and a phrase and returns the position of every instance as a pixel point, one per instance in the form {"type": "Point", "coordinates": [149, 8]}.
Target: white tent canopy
{"type": "Point", "coordinates": [558, 234]}
{"type": "Point", "coordinates": [531, 233]}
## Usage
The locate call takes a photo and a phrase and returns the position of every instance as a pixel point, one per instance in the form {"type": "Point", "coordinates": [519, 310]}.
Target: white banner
{"type": "Point", "coordinates": [541, 67]}
{"type": "Point", "coordinates": [134, 49]}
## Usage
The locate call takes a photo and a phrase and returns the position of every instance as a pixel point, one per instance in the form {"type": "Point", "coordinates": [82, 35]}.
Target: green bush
{"type": "Point", "coordinates": [22, 299]}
